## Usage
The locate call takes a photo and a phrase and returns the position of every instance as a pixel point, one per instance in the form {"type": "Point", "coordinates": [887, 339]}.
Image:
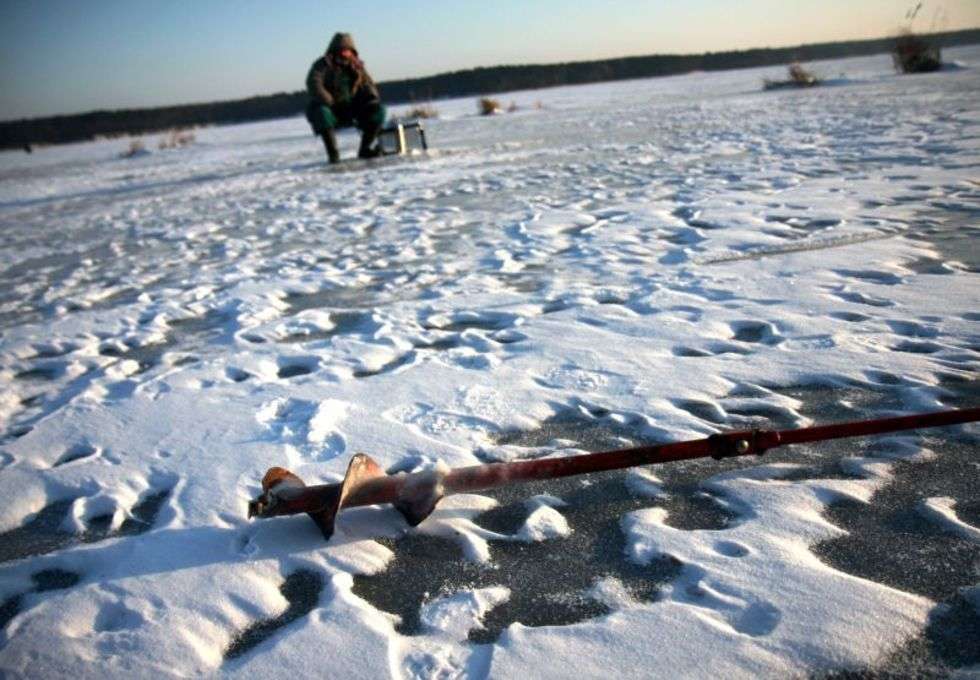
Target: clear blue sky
{"type": "Point", "coordinates": [66, 56]}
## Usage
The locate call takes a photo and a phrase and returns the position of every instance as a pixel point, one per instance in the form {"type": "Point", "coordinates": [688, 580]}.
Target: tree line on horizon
{"type": "Point", "coordinates": [478, 81]}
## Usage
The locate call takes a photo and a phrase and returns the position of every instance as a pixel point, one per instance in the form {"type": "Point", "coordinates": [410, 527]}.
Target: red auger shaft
{"type": "Point", "coordinates": [727, 445]}
{"type": "Point", "coordinates": [416, 494]}
{"type": "Point", "coordinates": [864, 428]}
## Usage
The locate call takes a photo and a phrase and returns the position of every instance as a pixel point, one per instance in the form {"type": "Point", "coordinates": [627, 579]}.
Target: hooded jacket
{"type": "Point", "coordinates": [332, 82]}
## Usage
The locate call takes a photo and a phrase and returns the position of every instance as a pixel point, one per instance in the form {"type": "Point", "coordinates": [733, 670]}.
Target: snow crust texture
{"type": "Point", "coordinates": [632, 262]}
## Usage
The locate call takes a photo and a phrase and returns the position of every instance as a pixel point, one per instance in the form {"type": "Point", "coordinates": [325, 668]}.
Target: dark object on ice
{"type": "Point", "coordinates": [415, 495]}
{"type": "Point", "coordinates": [402, 138]}
{"type": "Point", "coordinates": [342, 94]}
{"type": "Point", "coordinates": [913, 54]}
{"type": "Point", "coordinates": [487, 106]}
{"type": "Point", "coordinates": [798, 77]}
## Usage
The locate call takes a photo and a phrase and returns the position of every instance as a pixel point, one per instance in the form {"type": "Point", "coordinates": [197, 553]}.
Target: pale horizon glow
{"type": "Point", "coordinates": [62, 57]}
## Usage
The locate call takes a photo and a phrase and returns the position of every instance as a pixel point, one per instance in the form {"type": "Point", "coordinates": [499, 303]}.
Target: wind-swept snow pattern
{"type": "Point", "coordinates": [942, 511]}
{"type": "Point", "coordinates": [626, 263]}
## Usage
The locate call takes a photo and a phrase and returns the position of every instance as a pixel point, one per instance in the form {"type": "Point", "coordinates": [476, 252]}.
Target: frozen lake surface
{"type": "Point", "coordinates": [608, 265]}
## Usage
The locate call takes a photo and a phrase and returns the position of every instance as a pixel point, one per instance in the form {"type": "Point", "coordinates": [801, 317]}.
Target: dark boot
{"type": "Point", "coordinates": [369, 135]}
{"type": "Point", "coordinates": [330, 143]}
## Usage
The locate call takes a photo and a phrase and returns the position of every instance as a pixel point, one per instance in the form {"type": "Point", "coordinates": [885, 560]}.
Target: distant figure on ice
{"type": "Point", "coordinates": [342, 94]}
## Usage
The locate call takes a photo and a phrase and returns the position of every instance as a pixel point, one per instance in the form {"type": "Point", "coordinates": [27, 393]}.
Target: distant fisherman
{"type": "Point", "coordinates": [343, 94]}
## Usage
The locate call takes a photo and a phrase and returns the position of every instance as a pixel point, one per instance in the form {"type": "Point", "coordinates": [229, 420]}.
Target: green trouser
{"type": "Point", "coordinates": [364, 115]}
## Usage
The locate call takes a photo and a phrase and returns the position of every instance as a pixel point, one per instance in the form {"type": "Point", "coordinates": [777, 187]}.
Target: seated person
{"type": "Point", "coordinates": [342, 94]}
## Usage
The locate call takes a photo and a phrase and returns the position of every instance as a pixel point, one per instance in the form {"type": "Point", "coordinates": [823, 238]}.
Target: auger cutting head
{"type": "Point", "coordinates": [365, 483]}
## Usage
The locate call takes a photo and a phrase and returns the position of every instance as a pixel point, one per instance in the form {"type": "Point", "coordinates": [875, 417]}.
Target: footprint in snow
{"type": "Point", "coordinates": [45, 531]}
{"type": "Point", "coordinates": [44, 581]}
{"type": "Point", "coordinates": [872, 276]}
{"type": "Point", "coordinates": [236, 374]}
{"type": "Point", "coordinates": [306, 424]}
{"type": "Point", "coordinates": [850, 317]}
{"type": "Point", "coordinates": [752, 618]}
{"type": "Point", "coordinates": [42, 372]}
{"type": "Point", "coordinates": [703, 410]}
{"type": "Point", "coordinates": [912, 329]}
{"type": "Point", "coordinates": [464, 320]}
{"type": "Point", "coordinates": [77, 452]}
{"type": "Point", "coordinates": [755, 332]}
{"type": "Point", "coordinates": [914, 347]}
{"type": "Point", "coordinates": [292, 367]}
{"type": "Point", "coordinates": [859, 298]}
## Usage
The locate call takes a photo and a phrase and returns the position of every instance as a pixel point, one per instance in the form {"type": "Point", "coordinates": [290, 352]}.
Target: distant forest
{"type": "Point", "coordinates": [479, 81]}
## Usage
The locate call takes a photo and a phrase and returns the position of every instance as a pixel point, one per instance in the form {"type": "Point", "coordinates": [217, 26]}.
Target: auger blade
{"type": "Point", "coordinates": [419, 495]}
{"type": "Point", "coordinates": [361, 469]}
{"type": "Point", "coordinates": [283, 493]}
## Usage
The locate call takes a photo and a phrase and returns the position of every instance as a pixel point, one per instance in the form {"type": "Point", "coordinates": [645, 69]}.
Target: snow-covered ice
{"type": "Point", "coordinates": [654, 260]}
{"type": "Point", "coordinates": [943, 512]}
